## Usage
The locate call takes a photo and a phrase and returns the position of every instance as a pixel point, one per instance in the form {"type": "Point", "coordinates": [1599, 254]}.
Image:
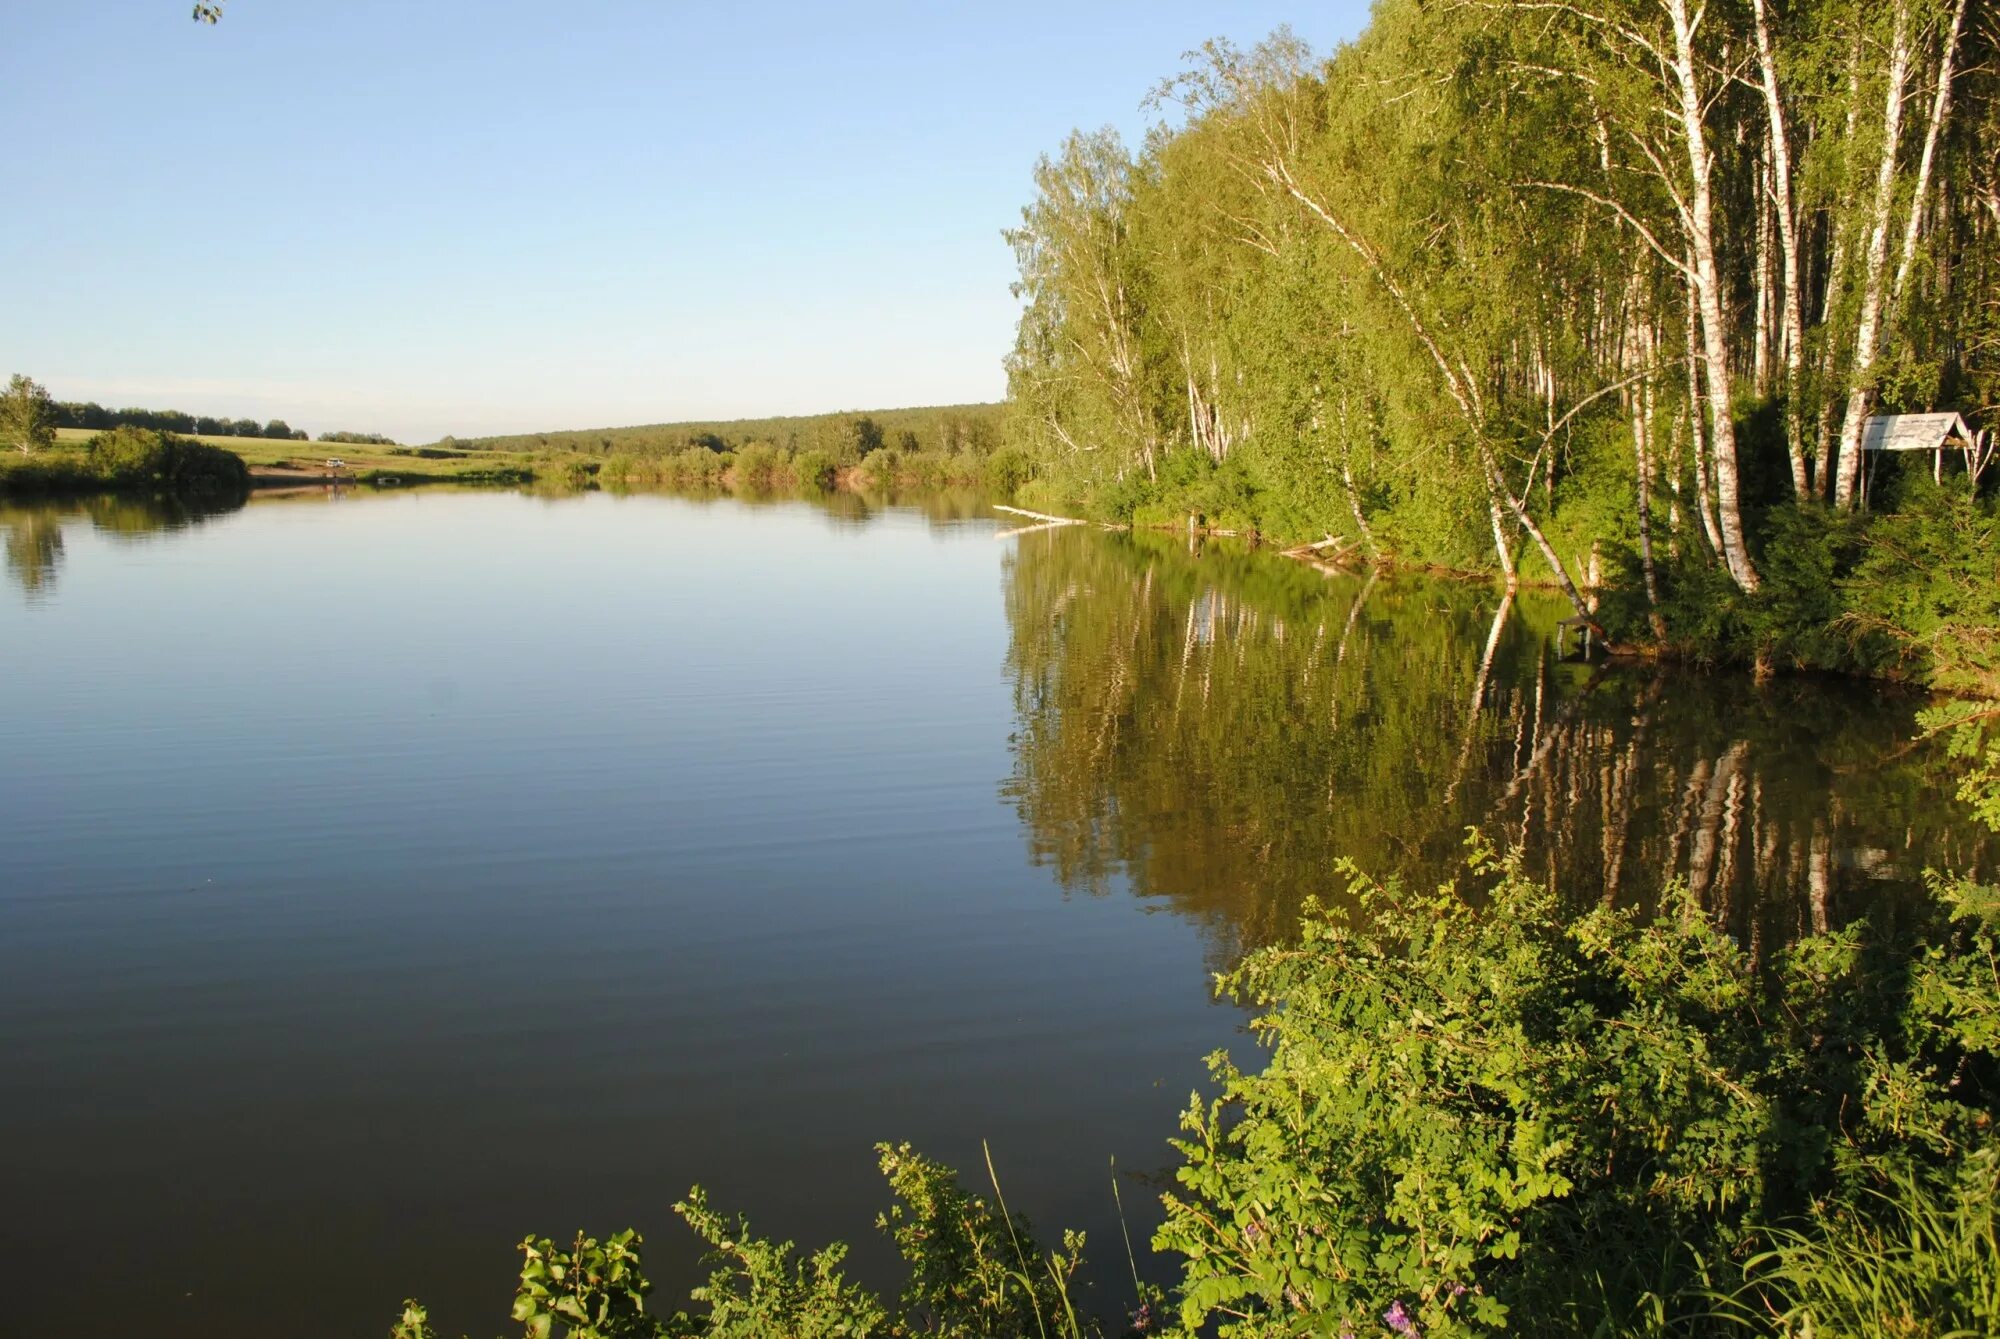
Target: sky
{"type": "Point", "coordinates": [430, 217]}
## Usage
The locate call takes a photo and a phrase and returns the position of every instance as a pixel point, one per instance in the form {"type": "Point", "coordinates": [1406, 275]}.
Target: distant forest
{"type": "Point", "coordinates": [90, 415]}
{"type": "Point", "coordinates": [969, 429]}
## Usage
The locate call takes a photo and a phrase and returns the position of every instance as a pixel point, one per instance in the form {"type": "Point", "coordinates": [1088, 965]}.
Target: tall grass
{"type": "Point", "coordinates": [1916, 1260]}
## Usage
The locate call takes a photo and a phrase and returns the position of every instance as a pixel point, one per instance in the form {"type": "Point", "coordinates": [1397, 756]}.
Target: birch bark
{"type": "Point", "coordinates": [1708, 292]}
{"type": "Point", "coordinates": [1868, 332]}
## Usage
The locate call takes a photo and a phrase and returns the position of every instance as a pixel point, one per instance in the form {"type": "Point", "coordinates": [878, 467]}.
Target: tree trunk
{"type": "Point", "coordinates": [1793, 336]}
{"type": "Point", "coordinates": [1702, 502]}
{"type": "Point", "coordinates": [1497, 491]}
{"type": "Point", "coordinates": [1836, 279]}
{"type": "Point", "coordinates": [1940, 116]}
{"type": "Point", "coordinates": [1708, 291]}
{"type": "Point", "coordinates": [1868, 332]}
{"type": "Point", "coordinates": [1501, 550]}
{"type": "Point", "coordinates": [1354, 499]}
{"type": "Point", "coordinates": [1760, 277]}
{"type": "Point", "coordinates": [1641, 431]}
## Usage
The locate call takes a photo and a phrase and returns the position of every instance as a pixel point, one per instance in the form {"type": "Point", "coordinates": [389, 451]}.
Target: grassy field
{"type": "Point", "coordinates": [270, 455]}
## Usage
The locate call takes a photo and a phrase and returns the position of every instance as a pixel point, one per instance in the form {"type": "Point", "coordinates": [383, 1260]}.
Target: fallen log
{"type": "Point", "coordinates": [1038, 515]}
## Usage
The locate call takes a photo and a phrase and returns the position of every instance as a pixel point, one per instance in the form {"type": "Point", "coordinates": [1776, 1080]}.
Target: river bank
{"type": "Point", "coordinates": [1909, 594]}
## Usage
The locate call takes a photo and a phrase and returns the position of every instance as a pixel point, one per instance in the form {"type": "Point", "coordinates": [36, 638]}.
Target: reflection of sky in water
{"type": "Point", "coordinates": [382, 881]}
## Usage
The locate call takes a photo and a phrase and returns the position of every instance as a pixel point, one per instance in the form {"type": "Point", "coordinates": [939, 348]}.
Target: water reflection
{"type": "Point", "coordinates": [34, 547]}
{"type": "Point", "coordinates": [33, 531]}
{"type": "Point", "coordinates": [941, 508]}
{"type": "Point", "coordinates": [1220, 729]}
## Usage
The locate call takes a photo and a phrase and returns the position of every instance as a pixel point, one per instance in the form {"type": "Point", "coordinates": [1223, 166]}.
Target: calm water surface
{"type": "Point", "coordinates": [383, 879]}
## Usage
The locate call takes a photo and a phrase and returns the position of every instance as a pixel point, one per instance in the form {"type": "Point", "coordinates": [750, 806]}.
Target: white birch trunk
{"type": "Point", "coordinates": [1868, 331]}
{"type": "Point", "coordinates": [1708, 292]}
{"type": "Point", "coordinates": [1702, 501]}
{"type": "Point", "coordinates": [1791, 316]}
{"type": "Point", "coordinates": [1940, 117]}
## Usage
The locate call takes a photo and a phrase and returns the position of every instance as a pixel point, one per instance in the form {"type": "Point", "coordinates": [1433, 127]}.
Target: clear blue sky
{"type": "Point", "coordinates": [432, 216]}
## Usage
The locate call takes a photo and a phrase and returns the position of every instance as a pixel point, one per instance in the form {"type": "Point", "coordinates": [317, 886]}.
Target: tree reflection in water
{"type": "Point", "coordinates": [1216, 730]}
{"type": "Point", "coordinates": [32, 532]}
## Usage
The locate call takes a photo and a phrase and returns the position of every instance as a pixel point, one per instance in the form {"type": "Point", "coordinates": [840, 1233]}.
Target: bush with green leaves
{"type": "Point", "coordinates": [756, 466]}
{"type": "Point", "coordinates": [1006, 470]}
{"type": "Point", "coordinates": [128, 457]}
{"type": "Point", "coordinates": [814, 469]}
{"type": "Point", "coordinates": [1928, 583]}
{"type": "Point", "coordinates": [1481, 1113]}
{"type": "Point", "coordinates": [975, 1272]}
{"type": "Point", "coordinates": [757, 1287]}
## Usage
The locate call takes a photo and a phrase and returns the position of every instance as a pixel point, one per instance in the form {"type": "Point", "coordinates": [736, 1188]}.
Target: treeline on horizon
{"type": "Point", "coordinates": [93, 417]}
{"type": "Point", "coordinates": [951, 429]}
{"type": "Point", "coordinates": [930, 446]}
{"type": "Point", "coordinates": [1598, 294]}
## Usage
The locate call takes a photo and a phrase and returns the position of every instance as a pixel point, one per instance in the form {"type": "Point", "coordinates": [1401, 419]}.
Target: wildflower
{"type": "Point", "coordinates": [1399, 1320]}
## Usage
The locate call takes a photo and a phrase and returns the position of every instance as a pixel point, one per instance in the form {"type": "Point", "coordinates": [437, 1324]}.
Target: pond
{"type": "Point", "coordinates": [386, 877]}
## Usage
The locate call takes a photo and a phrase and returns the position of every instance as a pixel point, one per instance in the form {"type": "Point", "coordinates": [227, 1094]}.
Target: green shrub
{"type": "Point", "coordinates": [755, 465]}
{"type": "Point", "coordinates": [138, 457]}
{"type": "Point", "coordinates": [814, 469]}
{"type": "Point", "coordinates": [1920, 1260]}
{"type": "Point", "coordinates": [1481, 1114]}
{"type": "Point", "coordinates": [1006, 470]}
{"type": "Point", "coordinates": [757, 1288]}
{"type": "Point", "coordinates": [1928, 585]}
{"type": "Point", "coordinates": [1913, 592]}
{"type": "Point", "coordinates": [975, 1272]}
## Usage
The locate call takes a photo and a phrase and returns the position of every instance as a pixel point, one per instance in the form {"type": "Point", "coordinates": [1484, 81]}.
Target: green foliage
{"type": "Point", "coordinates": [970, 430]}
{"type": "Point", "coordinates": [1913, 592]}
{"type": "Point", "coordinates": [415, 1323]}
{"type": "Point", "coordinates": [758, 1288]}
{"type": "Point", "coordinates": [1918, 1260]}
{"type": "Point", "coordinates": [814, 469]}
{"type": "Point", "coordinates": [132, 460]}
{"type": "Point", "coordinates": [1480, 1114]}
{"type": "Point", "coordinates": [1971, 742]}
{"type": "Point", "coordinates": [1794, 618]}
{"type": "Point", "coordinates": [27, 416]}
{"type": "Point", "coordinates": [1006, 470]}
{"type": "Point", "coordinates": [591, 1291]}
{"type": "Point", "coordinates": [1426, 294]}
{"type": "Point", "coordinates": [975, 1272]}
{"type": "Point", "coordinates": [95, 417]}
{"type": "Point", "coordinates": [756, 463]}
{"type": "Point", "coordinates": [1928, 583]}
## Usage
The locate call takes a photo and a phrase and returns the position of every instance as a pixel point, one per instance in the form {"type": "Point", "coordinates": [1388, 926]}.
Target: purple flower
{"type": "Point", "coordinates": [1399, 1320]}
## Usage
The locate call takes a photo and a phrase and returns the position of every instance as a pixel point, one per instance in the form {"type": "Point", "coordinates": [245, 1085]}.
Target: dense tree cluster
{"type": "Point", "coordinates": [1533, 286]}
{"type": "Point", "coordinates": [846, 437]}
{"type": "Point", "coordinates": [95, 417]}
